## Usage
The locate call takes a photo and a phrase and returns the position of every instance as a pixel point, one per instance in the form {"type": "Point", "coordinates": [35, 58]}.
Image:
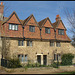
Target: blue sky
{"type": "Point", "coordinates": [40, 10]}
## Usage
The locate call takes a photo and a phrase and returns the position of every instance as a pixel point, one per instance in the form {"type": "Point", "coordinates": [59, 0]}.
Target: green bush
{"type": "Point", "coordinates": [67, 59]}
{"type": "Point", "coordinates": [54, 64]}
{"type": "Point", "coordinates": [14, 63]}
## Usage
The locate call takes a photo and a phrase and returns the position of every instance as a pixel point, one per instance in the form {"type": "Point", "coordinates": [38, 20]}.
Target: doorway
{"type": "Point", "coordinates": [44, 59]}
{"type": "Point", "coordinates": [39, 59]}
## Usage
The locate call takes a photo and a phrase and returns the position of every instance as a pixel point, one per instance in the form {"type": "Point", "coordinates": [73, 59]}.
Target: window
{"type": "Point", "coordinates": [13, 26]}
{"type": "Point", "coordinates": [51, 43]}
{"type": "Point", "coordinates": [47, 30]}
{"type": "Point", "coordinates": [19, 57]}
{"type": "Point", "coordinates": [29, 43]}
{"type": "Point", "coordinates": [57, 57]}
{"type": "Point", "coordinates": [60, 31]}
{"type": "Point", "coordinates": [20, 43]}
{"type": "Point", "coordinates": [58, 44]}
{"type": "Point", "coordinates": [25, 58]}
{"type": "Point", "coordinates": [31, 28]}
{"type": "Point", "coordinates": [22, 58]}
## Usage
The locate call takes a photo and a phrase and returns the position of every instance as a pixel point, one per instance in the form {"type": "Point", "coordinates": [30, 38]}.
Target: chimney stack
{"type": "Point", "coordinates": [1, 10]}
{"type": "Point", "coordinates": [58, 17]}
{"type": "Point", "coordinates": [1, 3]}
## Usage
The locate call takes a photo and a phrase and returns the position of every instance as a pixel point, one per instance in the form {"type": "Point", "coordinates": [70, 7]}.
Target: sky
{"type": "Point", "coordinates": [40, 10]}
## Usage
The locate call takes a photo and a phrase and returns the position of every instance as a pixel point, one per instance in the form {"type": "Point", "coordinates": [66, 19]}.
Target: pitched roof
{"type": "Point", "coordinates": [55, 24]}
{"type": "Point", "coordinates": [42, 22]}
{"type": "Point", "coordinates": [28, 18]}
{"type": "Point", "coordinates": [6, 19]}
{"type": "Point", "coordinates": [21, 21]}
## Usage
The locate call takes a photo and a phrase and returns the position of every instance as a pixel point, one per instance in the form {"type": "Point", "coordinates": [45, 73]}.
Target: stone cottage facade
{"type": "Point", "coordinates": [42, 42]}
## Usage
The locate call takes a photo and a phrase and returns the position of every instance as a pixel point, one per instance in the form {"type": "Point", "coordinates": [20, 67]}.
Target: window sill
{"type": "Point", "coordinates": [21, 46]}
{"type": "Point", "coordinates": [29, 46]}
{"type": "Point", "coordinates": [52, 46]}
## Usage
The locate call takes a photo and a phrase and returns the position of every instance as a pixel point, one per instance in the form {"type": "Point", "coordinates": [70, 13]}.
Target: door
{"type": "Point", "coordinates": [39, 59]}
{"type": "Point", "coordinates": [44, 59]}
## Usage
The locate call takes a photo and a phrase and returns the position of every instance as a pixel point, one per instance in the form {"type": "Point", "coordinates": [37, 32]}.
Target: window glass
{"type": "Point", "coordinates": [19, 57]}
{"type": "Point", "coordinates": [55, 56]}
{"type": "Point", "coordinates": [51, 43]}
{"type": "Point", "coordinates": [16, 27]}
{"type": "Point", "coordinates": [20, 43]}
{"type": "Point", "coordinates": [60, 31]}
{"type": "Point", "coordinates": [47, 30]}
{"type": "Point", "coordinates": [22, 58]}
{"type": "Point", "coordinates": [58, 44]}
{"type": "Point", "coordinates": [59, 57]}
{"type": "Point", "coordinates": [25, 58]}
{"type": "Point", "coordinates": [13, 26]}
{"type": "Point", "coordinates": [31, 28]}
{"type": "Point", "coordinates": [29, 43]}
{"type": "Point", "coordinates": [10, 26]}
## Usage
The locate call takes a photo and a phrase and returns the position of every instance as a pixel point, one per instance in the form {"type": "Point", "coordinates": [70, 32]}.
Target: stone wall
{"type": "Point", "coordinates": [39, 47]}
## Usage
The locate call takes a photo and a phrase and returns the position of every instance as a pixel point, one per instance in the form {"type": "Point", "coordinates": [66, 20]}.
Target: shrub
{"type": "Point", "coordinates": [54, 64]}
{"type": "Point", "coordinates": [14, 63]}
{"type": "Point", "coordinates": [67, 59]}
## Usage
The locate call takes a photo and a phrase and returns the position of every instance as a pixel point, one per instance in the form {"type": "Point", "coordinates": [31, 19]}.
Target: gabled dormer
{"type": "Point", "coordinates": [31, 27]}
{"type": "Point", "coordinates": [12, 26]}
{"type": "Point", "coordinates": [47, 31]}
{"type": "Point", "coordinates": [60, 29]}
{"type": "Point", "coordinates": [45, 23]}
{"type": "Point", "coordinates": [58, 24]}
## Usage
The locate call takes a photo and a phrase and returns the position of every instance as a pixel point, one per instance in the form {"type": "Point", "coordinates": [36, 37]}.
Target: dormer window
{"type": "Point", "coordinates": [47, 30]}
{"type": "Point", "coordinates": [61, 31]}
{"type": "Point", "coordinates": [32, 28]}
{"type": "Point", "coordinates": [13, 26]}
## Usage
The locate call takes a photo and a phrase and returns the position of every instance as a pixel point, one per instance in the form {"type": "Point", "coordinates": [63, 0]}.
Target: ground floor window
{"type": "Point", "coordinates": [23, 58]}
{"type": "Point", "coordinates": [57, 57]}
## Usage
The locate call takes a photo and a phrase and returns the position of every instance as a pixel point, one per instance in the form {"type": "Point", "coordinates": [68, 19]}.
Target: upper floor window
{"type": "Point", "coordinates": [51, 43]}
{"type": "Point", "coordinates": [32, 28]}
{"type": "Point", "coordinates": [47, 30]}
{"type": "Point", "coordinates": [29, 43]}
{"type": "Point", "coordinates": [61, 31]}
{"type": "Point", "coordinates": [20, 43]}
{"type": "Point", "coordinates": [58, 44]}
{"type": "Point", "coordinates": [13, 26]}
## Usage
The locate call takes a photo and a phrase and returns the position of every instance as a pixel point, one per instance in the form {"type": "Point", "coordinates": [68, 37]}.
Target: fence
{"type": "Point", "coordinates": [4, 62]}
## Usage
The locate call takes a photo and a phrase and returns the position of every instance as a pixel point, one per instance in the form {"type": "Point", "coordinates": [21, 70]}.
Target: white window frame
{"type": "Point", "coordinates": [13, 26]}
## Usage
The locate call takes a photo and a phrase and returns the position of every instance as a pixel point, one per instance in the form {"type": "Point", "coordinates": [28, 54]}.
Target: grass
{"type": "Point", "coordinates": [73, 72]}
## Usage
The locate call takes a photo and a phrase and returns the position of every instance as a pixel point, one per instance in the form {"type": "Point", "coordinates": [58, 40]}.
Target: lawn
{"type": "Point", "coordinates": [73, 72]}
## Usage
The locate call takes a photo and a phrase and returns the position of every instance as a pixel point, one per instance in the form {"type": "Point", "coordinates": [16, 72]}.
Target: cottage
{"type": "Point", "coordinates": [42, 42]}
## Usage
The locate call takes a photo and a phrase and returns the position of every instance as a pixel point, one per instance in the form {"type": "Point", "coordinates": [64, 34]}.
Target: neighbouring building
{"type": "Point", "coordinates": [42, 42]}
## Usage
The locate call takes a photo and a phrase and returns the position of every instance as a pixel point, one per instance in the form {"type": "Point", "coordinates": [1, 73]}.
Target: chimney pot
{"type": "Point", "coordinates": [1, 3]}
{"type": "Point", "coordinates": [58, 17]}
